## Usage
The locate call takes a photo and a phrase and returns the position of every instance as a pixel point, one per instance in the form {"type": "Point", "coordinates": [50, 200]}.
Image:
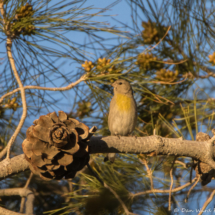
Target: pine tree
{"type": "Point", "coordinates": [167, 55]}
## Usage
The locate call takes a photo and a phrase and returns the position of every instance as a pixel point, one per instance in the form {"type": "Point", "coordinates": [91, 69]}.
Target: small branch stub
{"type": "Point", "coordinates": [57, 146]}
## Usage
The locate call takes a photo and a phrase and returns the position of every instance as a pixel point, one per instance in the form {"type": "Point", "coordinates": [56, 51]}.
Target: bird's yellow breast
{"type": "Point", "coordinates": [123, 102]}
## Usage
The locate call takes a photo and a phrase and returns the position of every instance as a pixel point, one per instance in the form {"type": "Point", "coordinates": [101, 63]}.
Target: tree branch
{"type": "Point", "coordinates": [199, 150]}
{"type": "Point", "coordinates": [4, 211]}
{"type": "Point", "coordinates": [186, 199]}
{"type": "Point", "coordinates": [22, 91]}
{"type": "Point", "coordinates": [149, 171]}
{"type": "Point", "coordinates": [15, 72]}
{"type": "Point", "coordinates": [203, 151]}
{"type": "Point", "coordinates": [22, 204]}
{"type": "Point", "coordinates": [16, 165]}
{"type": "Point", "coordinates": [171, 185]}
{"type": "Point", "coordinates": [207, 202]}
{"type": "Point", "coordinates": [163, 191]}
{"type": "Point", "coordinates": [21, 192]}
{"type": "Point", "coordinates": [68, 87]}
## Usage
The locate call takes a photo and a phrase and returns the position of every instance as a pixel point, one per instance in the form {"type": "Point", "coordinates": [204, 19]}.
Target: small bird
{"type": "Point", "coordinates": [122, 116]}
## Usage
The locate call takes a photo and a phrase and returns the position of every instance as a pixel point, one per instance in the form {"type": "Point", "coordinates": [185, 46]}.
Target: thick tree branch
{"type": "Point", "coordinates": [17, 164]}
{"type": "Point", "coordinates": [203, 151]}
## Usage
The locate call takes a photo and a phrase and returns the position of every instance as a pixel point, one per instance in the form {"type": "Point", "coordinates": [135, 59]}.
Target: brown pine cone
{"type": "Point", "coordinates": [56, 146]}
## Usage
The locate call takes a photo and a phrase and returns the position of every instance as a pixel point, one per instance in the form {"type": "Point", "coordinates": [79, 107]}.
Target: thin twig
{"type": "Point", "coordinates": [68, 87]}
{"type": "Point", "coordinates": [182, 163]}
{"type": "Point", "coordinates": [171, 185]}
{"type": "Point", "coordinates": [173, 63]}
{"type": "Point", "coordinates": [22, 91]}
{"type": "Point", "coordinates": [186, 199]}
{"type": "Point", "coordinates": [207, 202]}
{"type": "Point", "coordinates": [210, 73]}
{"type": "Point", "coordinates": [170, 83]}
{"type": "Point", "coordinates": [149, 172]}
{"type": "Point", "coordinates": [160, 39]}
{"type": "Point", "coordinates": [159, 101]}
{"type": "Point", "coordinates": [2, 10]}
{"type": "Point", "coordinates": [22, 204]}
{"type": "Point", "coordinates": [163, 191]}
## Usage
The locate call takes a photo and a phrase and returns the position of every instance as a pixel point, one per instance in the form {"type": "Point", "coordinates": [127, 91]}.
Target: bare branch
{"type": "Point", "coordinates": [198, 178]}
{"type": "Point", "coordinates": [22, 204]}
{"type": "Point", "coordinates": [22, 91]}
{"type": "Point", "coordinates": [199, 150]}
{"type": "Point", "coordinates": [161, 39]}
{"type": "Point", "coordinates": [68, 87]}
{"type": "Point", "coordinates": [17, 164]}
{"type": "Point", "coordinates": [171, 185]}
{"type": "Point", "coordinates": [207, 202]}
{"type": "Point", "coordinates": [21, 192]}
{"type": "Point", "coordinates": [149, 171]}
{"type": "Point", "coordinates": [163, 191]}
{"type": "Point", "coordinates": [170, 83]}
{"type": "Point", "coordinates": [181, 163]}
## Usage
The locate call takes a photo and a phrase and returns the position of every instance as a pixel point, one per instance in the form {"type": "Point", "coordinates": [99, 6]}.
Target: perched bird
{"type": "Point", "coordinates": [122, 116]}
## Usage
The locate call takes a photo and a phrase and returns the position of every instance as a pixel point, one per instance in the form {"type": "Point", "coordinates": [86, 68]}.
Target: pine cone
{"type": "Point", "coordinates": [56, 146]}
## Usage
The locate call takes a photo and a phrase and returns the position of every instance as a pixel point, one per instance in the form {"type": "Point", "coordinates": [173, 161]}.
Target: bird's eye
{"type": "Point", "coordinates": [120, 83]}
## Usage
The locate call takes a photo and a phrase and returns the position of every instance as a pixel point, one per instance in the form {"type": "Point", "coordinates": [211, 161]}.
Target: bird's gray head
{"type": "Point", "coordinates": [122, 86]}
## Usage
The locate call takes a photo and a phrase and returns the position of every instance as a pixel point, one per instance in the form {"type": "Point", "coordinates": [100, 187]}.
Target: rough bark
{"type": "Point", "coordinates": [13, 166]}
{"type": "Point", "coordinates": [203, 151]}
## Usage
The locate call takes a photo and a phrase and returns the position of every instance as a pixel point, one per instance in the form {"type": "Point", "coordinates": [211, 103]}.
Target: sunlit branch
{"type": "Point", "coordinates": [68, 87]}
{"type": "Point", "coordinates": [163, 191]}
{"type": "Point", "coordinates": [22, 204]}
{"type": "Point", "coordinates": [198, 178]}
{"type": "Point", "coordinates": [20, 192]}
{"type": "Point", "coordinates": [171, 185]}
{"type": "Point", "coordinates": [207, 202]}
